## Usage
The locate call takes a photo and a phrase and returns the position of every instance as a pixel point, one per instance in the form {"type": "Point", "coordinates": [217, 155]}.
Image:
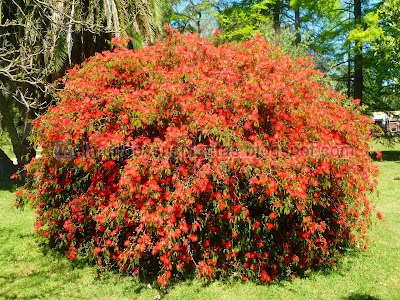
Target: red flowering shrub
{"type": "Point", "coordinates": [230, 160]}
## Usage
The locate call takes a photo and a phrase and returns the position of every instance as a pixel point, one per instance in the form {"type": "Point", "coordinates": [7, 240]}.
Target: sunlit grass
{"type": "Point", "coordinates": [7, 148]}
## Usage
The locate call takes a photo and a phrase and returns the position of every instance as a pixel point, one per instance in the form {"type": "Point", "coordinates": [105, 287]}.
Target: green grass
{"type": "Point", "coordinates": [27, 271]}
{"type": "Point", "coordinates": [7, 148]}
{"type": "Point", "coordinates": [390, 152]}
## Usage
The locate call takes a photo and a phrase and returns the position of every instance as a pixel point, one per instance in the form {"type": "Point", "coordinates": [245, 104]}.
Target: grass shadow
{"type": "Point", "coordinates": [188, 278]}
{"type": "Point", "coordinates": [79, 263]}
{"type": "Point", "coordinates": [358, 296]}
{"type": "Point", "coordinates": [387, 155]}
{"type": "Point", "coordinates": [36, 281]}
{"type": "Point", "coordinates": [10, 186]}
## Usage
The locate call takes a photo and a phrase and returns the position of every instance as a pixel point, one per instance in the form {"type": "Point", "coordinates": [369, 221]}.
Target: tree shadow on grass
{"type": "Point", "coordinates": [27, 277]}
{"type": "Point", "coordinates": [342, 268]}
{"type": "Point", "coordinates": [36, 279]}
{"type": "Point", "coordinates": [44, 277]}
{"type": "Point", "coordinates": [10, 186]}
{"type": "Point", "coordinates": [358, 296]}
{"type": "Point", "coordinates": [189, 279]}
{"type": "Point", "coordinates": [54, 263]}
{"type": "Point", "coordinates": [387, 155]}
{"type": "Point", "coordinates": [79, 263]}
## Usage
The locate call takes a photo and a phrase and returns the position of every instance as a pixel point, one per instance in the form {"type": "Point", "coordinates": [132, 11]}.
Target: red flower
{"type": "Point", "coordinates": [19, 193]}
{"type": "Point", "coordinates": [272, 215]}
{"type": "Point", "coordinates": [176, 247]}
{"type": "Point", "coordinates": [71, 254]}
{"type": "Point", "coordinates": [380, 216]}
{"type": "Point", "coordinates": [193, 237]}
{"type": "Point", "coordinates": [165, 166]}
{"type": "Point", "coordinates": [264, 276]}
{"type": "Point", "coordinates": [162, 281]}
{"type": "Point", "coordinates": [168, 275]}
{"type": "Point", "coordinates": [270, 226]}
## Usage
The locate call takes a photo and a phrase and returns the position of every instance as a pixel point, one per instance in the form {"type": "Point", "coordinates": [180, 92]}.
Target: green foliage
{"type": "Point", "coordinates": [192, 16]}
{"type": "Point", "coordinates": [382, 56]}
{"type": "Point", "coordinates": [239, 23]}
{"type": "Point", "coordinates": [318, 26]}
{"type": "Point", "coordinates": [60, 53]}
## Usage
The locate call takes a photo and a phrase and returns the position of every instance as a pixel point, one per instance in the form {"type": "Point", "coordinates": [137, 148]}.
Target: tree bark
{"type": "Point", "coordinates": [349, 74]}
{"type": "Point", "coordinates": [7, 167]}
{"type": "Point", "coordinates": [21, 148]}
{"type": "Point", "coordinates": [297, 25]}
{"type": "Point", "coordinates": [276, 21]}
{"type": "Point", "coordinates": [358, 58]}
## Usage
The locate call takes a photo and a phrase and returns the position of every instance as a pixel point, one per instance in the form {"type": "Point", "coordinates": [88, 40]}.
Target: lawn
{"type": "Point", "coordinates": [29, 271]}
{"type": "Point", "coordinates": [7, 148]}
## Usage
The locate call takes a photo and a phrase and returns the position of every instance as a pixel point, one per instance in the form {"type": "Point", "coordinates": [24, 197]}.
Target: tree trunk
{"type": "Point", "coordinates": [88, 43]}
{"type": "Point", "coordinates": [358, 67]}
{"type": "Point", "coordinates": [297, 25]}
{"type": "Point", "coordinates": [20, 145]}
{"type": "Point", "coordinates": [198, 23]}
{"type": "Point", "coordinates": [7, 167]}
{"type": "Point", "coordinates": [349, 72]}
{"type": "Point", "coordinates": [276, 21]}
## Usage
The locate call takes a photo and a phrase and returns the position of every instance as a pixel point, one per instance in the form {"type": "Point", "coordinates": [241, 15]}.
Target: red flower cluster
{"type": "Point", "coordinates": [191, 156]}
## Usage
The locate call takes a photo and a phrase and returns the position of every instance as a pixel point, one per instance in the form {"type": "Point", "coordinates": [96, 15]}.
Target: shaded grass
{"type": "Point", "coordinates": [390, 152]}
{"type": "Point", "coordinates": [7, 148]}
{"type": "Point", "coordinates": [27, 271]}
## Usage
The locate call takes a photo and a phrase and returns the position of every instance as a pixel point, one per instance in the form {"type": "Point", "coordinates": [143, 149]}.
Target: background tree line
{"type": "Point", "coordinates": [355, 42]}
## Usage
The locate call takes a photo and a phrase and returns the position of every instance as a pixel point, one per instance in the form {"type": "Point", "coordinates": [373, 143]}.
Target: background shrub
{"type": "Point", "coordinates": [231, 160]}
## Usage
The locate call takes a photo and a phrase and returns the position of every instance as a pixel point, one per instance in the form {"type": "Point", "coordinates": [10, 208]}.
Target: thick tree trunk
{"type": "Point", "coordinates": [21, 148]}
{"type": "Point", "coordinates": [88, 43]}
{"type": "Point", "coordinates": [7, 167]}
{"type": "Point", "coordinates": [358, 58]}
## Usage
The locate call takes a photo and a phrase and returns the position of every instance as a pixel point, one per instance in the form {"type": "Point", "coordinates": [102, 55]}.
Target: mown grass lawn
{"type": "Point", "coordinates": [7, 148]}
{"type": "Point", "coordinates": [27, 271]}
